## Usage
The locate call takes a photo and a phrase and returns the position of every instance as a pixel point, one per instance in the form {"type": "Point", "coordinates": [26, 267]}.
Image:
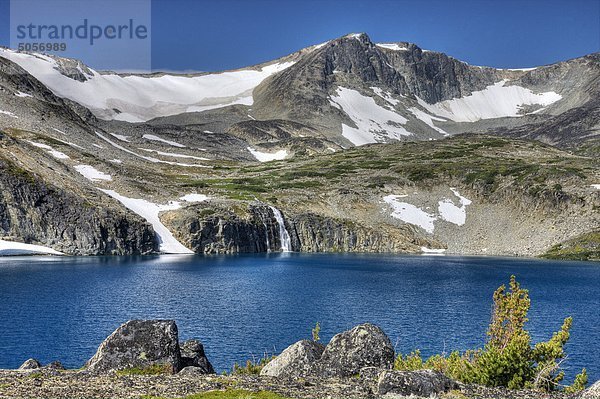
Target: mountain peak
{"type": "Point", "coordinates": [362, 37]}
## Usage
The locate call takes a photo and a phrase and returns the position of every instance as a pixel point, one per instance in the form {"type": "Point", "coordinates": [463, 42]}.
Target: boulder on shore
{"type": "Point", "coordinates": [139, 344]}
{"type": "Point", "coordinates": [30, 364]}
{"type": "Point", "coordinates": [192, 355]}
{"type": "Point", "coordinates": [295, 361]}
{"type": "Point", "coordinates": [365, 345]}
{"type": "Point", "coordinates": [592, 392]}
{"type": "Point", "coordinates": [421, 383]}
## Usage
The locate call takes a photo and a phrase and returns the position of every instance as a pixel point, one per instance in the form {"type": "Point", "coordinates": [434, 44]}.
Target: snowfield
{"type": "Point", "coordinates": [150, 211]}
{"type": "Point", "coordinates": [50, 150]}
{"type": "Point", "coordinates": [141, 98]}
{"type": "Point", "coordinates": [11, 248]}
{"type": "Point", "coordinates": [9, 114]}
{"type": "Point", "coordinates": [92, 174]}
{"type": "Point", "coordinates": [149, 159]}
{"type": "Point", "coordinates": [156, 138]}
{"type": "Point", "coordinates": [409, 213]}
{"type": "Point", "coordinates": [392, 46]}
{"type": "Point", "coordinates": [447, 210]}
{"type": "Point", "coordinates": [495, 101]}
{"type": "Point", "coordinates": [428, 119]}
{"type": "Point", "coordinates": [374, 124]}
{"type": "Point", "coordinates": [268, 156]}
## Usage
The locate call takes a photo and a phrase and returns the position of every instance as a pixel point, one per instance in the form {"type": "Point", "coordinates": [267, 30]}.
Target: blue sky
{"type": "Point", "coordinates": [223, 34]}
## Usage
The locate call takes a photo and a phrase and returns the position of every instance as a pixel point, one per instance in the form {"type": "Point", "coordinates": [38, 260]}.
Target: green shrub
{"type": "Point", "coordinates": [315, 332]}
{"type": "Point", "coordinates": [252, 367]}
{"type": "Point", "coordinates": [507, 359]}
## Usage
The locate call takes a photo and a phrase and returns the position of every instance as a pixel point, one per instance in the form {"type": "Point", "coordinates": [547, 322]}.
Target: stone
{"type": "Point", "coordinates": [192, 355]}
{"type": "Point", "coordinates": [295, 361]}
{"type": "Point", "coordinates": [139, 344]}
{"type": "Point", "coordinates": [55, 365]}
{"type": "Point", "coordinates": [348, 352]}
{"type": "Point", "coordinates": [421, 383]}
{"type": "Point", "coordinates": [592, 392]}
{"type": "Point", "coordinates": [191, 371]}
{"type": "Point", "coordinates": [30, 364]}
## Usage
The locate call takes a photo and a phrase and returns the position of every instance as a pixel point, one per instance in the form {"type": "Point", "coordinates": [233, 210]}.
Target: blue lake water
{"type": "Point", "coordinates": [244, 306]}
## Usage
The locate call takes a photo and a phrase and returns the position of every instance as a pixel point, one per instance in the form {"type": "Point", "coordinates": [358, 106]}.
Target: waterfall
{"type": "Point", "coordinates": [286, 243]}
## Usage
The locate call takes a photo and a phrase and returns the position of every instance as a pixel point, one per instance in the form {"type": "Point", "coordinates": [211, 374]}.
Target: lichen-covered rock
{"type": "Point", "coordinates": [30, 364]}
{"type": "Point", "coordinates": [421, 383]}
{"type": "Point", "coordinates": [295, 361]}
{"type": "Point", "coordinates": [192, 355]}
{"type": "Point", "coordinates": [55, 365]}
{"type": "Point", "coordinates": [348, 352]}
{"type": "Point", "coordinates": [592, 392]}
{"type": "Point", "coordinates": [139, 344]}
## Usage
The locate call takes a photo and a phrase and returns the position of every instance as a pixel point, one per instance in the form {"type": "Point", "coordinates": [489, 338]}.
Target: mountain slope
{"type": "Point", "coordinates": [188, 167]}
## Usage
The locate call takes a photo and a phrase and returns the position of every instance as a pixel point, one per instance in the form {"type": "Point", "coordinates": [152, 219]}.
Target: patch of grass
{"type": "Point", "coordinates": [584, 247]}
{"type": "Point", "coordinates": [155, 369]}
{"type": "Point", "coordinates": [252, 367]}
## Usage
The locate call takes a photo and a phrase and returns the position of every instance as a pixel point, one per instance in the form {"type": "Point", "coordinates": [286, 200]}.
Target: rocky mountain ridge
{"type": "Point", "coordinates": [181, 151]}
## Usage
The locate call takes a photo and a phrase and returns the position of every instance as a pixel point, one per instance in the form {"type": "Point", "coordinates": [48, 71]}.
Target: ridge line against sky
{"type": "Point", "coordinates": [213, 35]}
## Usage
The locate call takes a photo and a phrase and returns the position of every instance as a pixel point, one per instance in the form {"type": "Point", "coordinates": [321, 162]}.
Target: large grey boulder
{"type": "Point", "coordinates": [592, 392]}
{"type": "Point", "coordinates": [139, 344]}
{"type": "Point", "coordinates": [295, 361]}
{"type": "Point", "coordinates": [347, 353]}
{"type": "Point", "coordinates": [30, 364]}
{"type": "Point", "coordinates": [192, 355]}
{"type": "Point", "coordinates": [421, 383]}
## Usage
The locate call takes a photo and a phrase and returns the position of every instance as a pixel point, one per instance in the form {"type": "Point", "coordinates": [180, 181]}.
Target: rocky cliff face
{"type": "Point", "coordinates": [37, 212]}
{"type": "Point", "coordinates": [214, 228]}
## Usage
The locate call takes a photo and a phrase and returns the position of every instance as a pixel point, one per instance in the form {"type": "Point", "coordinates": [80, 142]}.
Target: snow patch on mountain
{"type": "Point", "coordinates": [385, 95]}
{"type": "Point", "coordinates": [120, 137]}
{"type": "Point", "coordinates": [150, 211]}
{"type": "Point", "coordinates": [50, 150]}
{"type": "Point", "coordinates": [149, 159]}
{"type": "Point", "coordinates": [141, 98]}
{"type": "Point", "coordinates": [21, 94]}
{"type": "Point", "coordinates": [374, 124]}
{"type": "Point", "coordinates": [174, 155]}
{"type": "Point", "coordinates": [410, 213]}
{"type": "Point", "coordinates": [495, 101]}
{"type": "Point", "coordinates": [268, 156]}
{"type": "Point", "coordinates": [392, 46]}
{"type": "Point", "coordinates": [9, 114]}
{"type": "Point", "coordinates": [92, 174]}
{"type": "Point", "coordinates": [12, 248]}
{"type": "Point", "coordinates": [453, 213]}
{"type": "Point", "coordinates": [447, 210]}
{"type": "Point", "coordinates": [156, 138]}
{"type": "Point", "coordinates": [428, 119]}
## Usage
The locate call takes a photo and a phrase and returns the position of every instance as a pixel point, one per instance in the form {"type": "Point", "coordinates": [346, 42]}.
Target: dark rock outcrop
{"type": "Point", "coordinates": [214, 228]}
{"type": "Point", "coordinates": [192, 355]}
{"type": "Point", "coordinates": [139, 344]}
{"type": "Point", "coordinates": [421, 383]}
{"type": "Point", "coordinates": [295, 361]}
{"type": "Point", "coordinates": [39, 212]}
{"type": "Point", "coordinates": [365, 345]}
{"type": "Point", "coordinates": [30, 364]}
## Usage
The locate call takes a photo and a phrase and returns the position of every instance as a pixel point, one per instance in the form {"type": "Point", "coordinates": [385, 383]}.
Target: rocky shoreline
{"type": "Point", "coordinates": [144, 359]}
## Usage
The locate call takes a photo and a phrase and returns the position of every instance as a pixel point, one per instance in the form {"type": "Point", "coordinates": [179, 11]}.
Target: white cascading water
{"type": "Point", "coordinates": [286, 243]}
